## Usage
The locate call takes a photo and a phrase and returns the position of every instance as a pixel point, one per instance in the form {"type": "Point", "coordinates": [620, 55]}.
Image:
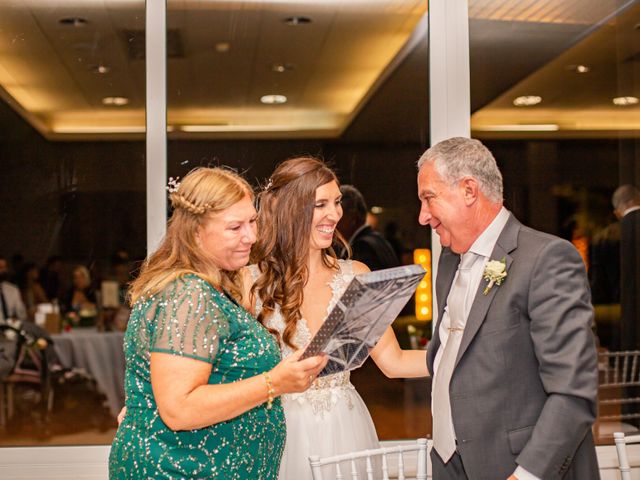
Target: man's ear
{"type": "Point", "coordinates": [470, 190]}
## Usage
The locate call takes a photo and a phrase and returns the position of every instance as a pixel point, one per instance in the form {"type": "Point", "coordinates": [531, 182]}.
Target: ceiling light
{"type": "Point", "coordinates": [579, 68]}
{"type": "Point", "coordinates": [625, 101]}
{"type": "Point", "coordinates": [73, 21]}
{"type": "Point", "coordinates": [101, 69]}
{"type": "Point", "coordinates": [222, 47]}
{"type": "Point", "coordinates": [273, 99]}
{"type": "Point", "coordinates": [96, 129]}
{"type": "Point", "coordinates": [376, 210]}
{"type": "Point", "coordinates": [237, 128]}
{"type": "Point", "coordinates": [527, 100]}
{"type": "Point", "coordinates": [298, 20]}
{"type": "Point", "coordinates": [542, 127]}
{"type": "Point", "coordinates": [282, 67]}
{"type": "Point", "coordinates": [115, 101]}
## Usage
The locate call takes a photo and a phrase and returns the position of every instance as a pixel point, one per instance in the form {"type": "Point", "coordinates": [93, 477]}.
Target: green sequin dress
{"type": "Point", "coordinates": [190, 318]}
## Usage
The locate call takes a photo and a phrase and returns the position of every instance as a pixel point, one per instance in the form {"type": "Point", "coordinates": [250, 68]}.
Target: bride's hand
{"type": "Point", "coordinates": [295, 375]}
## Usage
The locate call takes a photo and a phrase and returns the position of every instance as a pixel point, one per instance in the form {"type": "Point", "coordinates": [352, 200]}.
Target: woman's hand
{"type": "Point", "coordinates": [121, 415]}
{"type": "Point", "coordinates": [294, 375]}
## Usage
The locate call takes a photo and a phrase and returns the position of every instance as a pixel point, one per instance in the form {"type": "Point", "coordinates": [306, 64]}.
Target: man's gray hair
{"type": "Point", "coordinates": [625, 196]}
{"type": "Point", "coordinates": [458, 157]}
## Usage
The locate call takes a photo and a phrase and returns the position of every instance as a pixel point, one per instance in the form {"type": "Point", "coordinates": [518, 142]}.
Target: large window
{"type": "Point", "coordinates": [554, 94]}
{"type": "Point", "coordinates": [250, 84]}
{"type": "Point", "coordinates": [72, 196]}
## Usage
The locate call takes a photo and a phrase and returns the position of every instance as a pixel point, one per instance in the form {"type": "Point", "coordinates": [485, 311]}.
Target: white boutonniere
{"type": "Point", "coordinates": [494, 272]}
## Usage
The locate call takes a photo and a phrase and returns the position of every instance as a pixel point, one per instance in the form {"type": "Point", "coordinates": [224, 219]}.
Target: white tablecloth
{"type": "Point", "coordinates": [101, 355]}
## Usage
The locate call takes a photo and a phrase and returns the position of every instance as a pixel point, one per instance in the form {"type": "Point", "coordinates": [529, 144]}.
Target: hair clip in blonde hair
{"type": "Point", "coordinates": [268, 186]}
{"type": "Point", "coordinates": [173, 184]}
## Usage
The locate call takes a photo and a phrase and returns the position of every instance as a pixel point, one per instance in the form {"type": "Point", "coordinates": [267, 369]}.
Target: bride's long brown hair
{"type": "Point", "coordinates": [285, 215]}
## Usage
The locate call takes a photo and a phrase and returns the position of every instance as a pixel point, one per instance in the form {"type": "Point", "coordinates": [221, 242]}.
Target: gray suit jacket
{"type": "Point", "coordinates": [525, 384]}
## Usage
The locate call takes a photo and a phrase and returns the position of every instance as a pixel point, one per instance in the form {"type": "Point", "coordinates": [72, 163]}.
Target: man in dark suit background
{"type": "Point", "coordinates": [367, 245]}
{"type": "Point", "coordinates": [626, 204]}
{"type": "Point", "coordinates": [513, 359]}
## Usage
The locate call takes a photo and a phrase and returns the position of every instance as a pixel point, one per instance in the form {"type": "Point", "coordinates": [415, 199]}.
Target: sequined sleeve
{"type": "Point", "coordinates": [189, 322]}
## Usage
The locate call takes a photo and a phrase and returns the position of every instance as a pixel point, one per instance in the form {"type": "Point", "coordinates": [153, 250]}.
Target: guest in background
{"type": "Point", "coordinates": [51, 278]}
{"type": "Point", "coordinates": [11, 306]}
{"type": "Point", "coordinates": [626, 204]}
{"type": "Point", "coordinates": [392, 235]}
{"type": "Point", "coordinates": [32, 292]}
{"type": "Point", "coordinates": [82, 295]}
{"type": "Point", "coordinates": [15, 268]}
{"type": "Point", "coordinates": [367, 245]}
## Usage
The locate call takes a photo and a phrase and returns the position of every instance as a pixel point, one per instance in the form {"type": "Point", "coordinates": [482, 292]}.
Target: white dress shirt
{"type": "Point", "coordinates": [15, 306]}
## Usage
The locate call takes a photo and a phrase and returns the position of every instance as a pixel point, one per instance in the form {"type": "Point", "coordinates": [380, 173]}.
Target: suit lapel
{"type": "Point", "coordinates": [507, 242]}
{"type": "Point", "coordinates": [447, 267]}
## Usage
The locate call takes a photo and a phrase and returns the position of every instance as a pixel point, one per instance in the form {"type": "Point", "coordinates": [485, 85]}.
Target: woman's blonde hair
{"type": "Point", "coordinates": [284, 220]}
{"type": "Point", "coordinates": [202, 191]}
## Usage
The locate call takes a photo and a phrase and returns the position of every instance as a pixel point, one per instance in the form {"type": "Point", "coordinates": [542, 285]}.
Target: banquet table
{"type": "Point", "coordinates": [101, 355]}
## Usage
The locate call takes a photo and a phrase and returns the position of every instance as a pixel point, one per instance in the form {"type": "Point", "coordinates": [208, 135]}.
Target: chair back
{"type": "Point", "coordinates": [618, 392]}
{"type": "Point", "coordinates": [387, 454]}
{"type": "Point", "coordinates": [622, 441]}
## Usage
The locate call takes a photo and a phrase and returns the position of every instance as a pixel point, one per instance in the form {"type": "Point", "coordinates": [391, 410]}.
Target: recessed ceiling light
{"type": "Point", "coordinates": [297, 20]}
{"type": "Point", "coordinates": [273, 99]}
{"type": "Point", "coordinates": [101, 69]}
{"type": "Point", "coordinates": [527, 100]}
{"type": "Point", "coordinates": [579, 68]}
{"type": "Point", "coordinates": [115, 101]}
{"type": "Point", "coordinates": [73, 21]}
{"type": "Point", "coordinates": [222, 47]}
{"type": "Point", "coordinates": [282, 67]}
{"type": "Point", "coordinates": [625, 101]}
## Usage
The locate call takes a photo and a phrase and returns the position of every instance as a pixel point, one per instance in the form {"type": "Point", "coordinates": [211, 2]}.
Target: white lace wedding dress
{"type": "Point", "coordinates": [328, 419]}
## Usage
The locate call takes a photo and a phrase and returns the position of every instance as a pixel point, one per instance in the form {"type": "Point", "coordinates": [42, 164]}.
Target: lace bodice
{"type": "Point", "coordinates": [325, 391]}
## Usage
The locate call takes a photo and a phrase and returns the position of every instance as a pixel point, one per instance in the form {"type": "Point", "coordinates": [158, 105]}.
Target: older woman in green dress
{"type": "Point", "coordinates": [203, 376]}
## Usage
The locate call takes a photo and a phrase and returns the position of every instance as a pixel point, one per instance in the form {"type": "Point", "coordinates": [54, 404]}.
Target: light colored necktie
{"type": "Point", "coordinates": [443, 434]}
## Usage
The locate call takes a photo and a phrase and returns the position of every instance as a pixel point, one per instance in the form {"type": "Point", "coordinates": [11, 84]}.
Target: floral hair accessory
{"type": "Point", "coordinates": [494, 272]}
{"type": "Point", "coordinates": [268, 186]}
{"type": "Point", "coordinates": [173, 184]}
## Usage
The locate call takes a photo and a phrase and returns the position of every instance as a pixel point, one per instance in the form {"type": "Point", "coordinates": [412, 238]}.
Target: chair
{"type": "Point", "coordinates": [618, 392]}
{"type": "Point", "coordinates": [30, 369]}
{"type": "Point", "coordinates": [622, 441]}
{"type": "Point", "coordinates": [385, 452]}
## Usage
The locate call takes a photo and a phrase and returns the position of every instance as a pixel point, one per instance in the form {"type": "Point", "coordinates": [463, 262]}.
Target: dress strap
{"type": "Point", "coordinates": [346, 267]}
{"type": "Point", "coordinates": [255, 273]}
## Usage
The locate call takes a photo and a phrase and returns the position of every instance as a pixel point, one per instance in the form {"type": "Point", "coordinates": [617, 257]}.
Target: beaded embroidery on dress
{"type": "Point", "coordinates": [330, 417]}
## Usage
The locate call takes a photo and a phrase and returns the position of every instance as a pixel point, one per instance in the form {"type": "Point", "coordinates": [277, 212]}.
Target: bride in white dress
{"type": "Point", "coordinates": [296, 281]}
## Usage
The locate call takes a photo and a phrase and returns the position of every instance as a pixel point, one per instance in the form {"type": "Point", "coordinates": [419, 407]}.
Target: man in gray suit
{"type": "Point", "coordinates": [513, 358]}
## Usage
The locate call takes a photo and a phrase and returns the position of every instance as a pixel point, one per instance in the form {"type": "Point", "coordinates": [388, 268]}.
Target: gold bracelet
{"type": "Point", "coordinates": [270, 391]}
